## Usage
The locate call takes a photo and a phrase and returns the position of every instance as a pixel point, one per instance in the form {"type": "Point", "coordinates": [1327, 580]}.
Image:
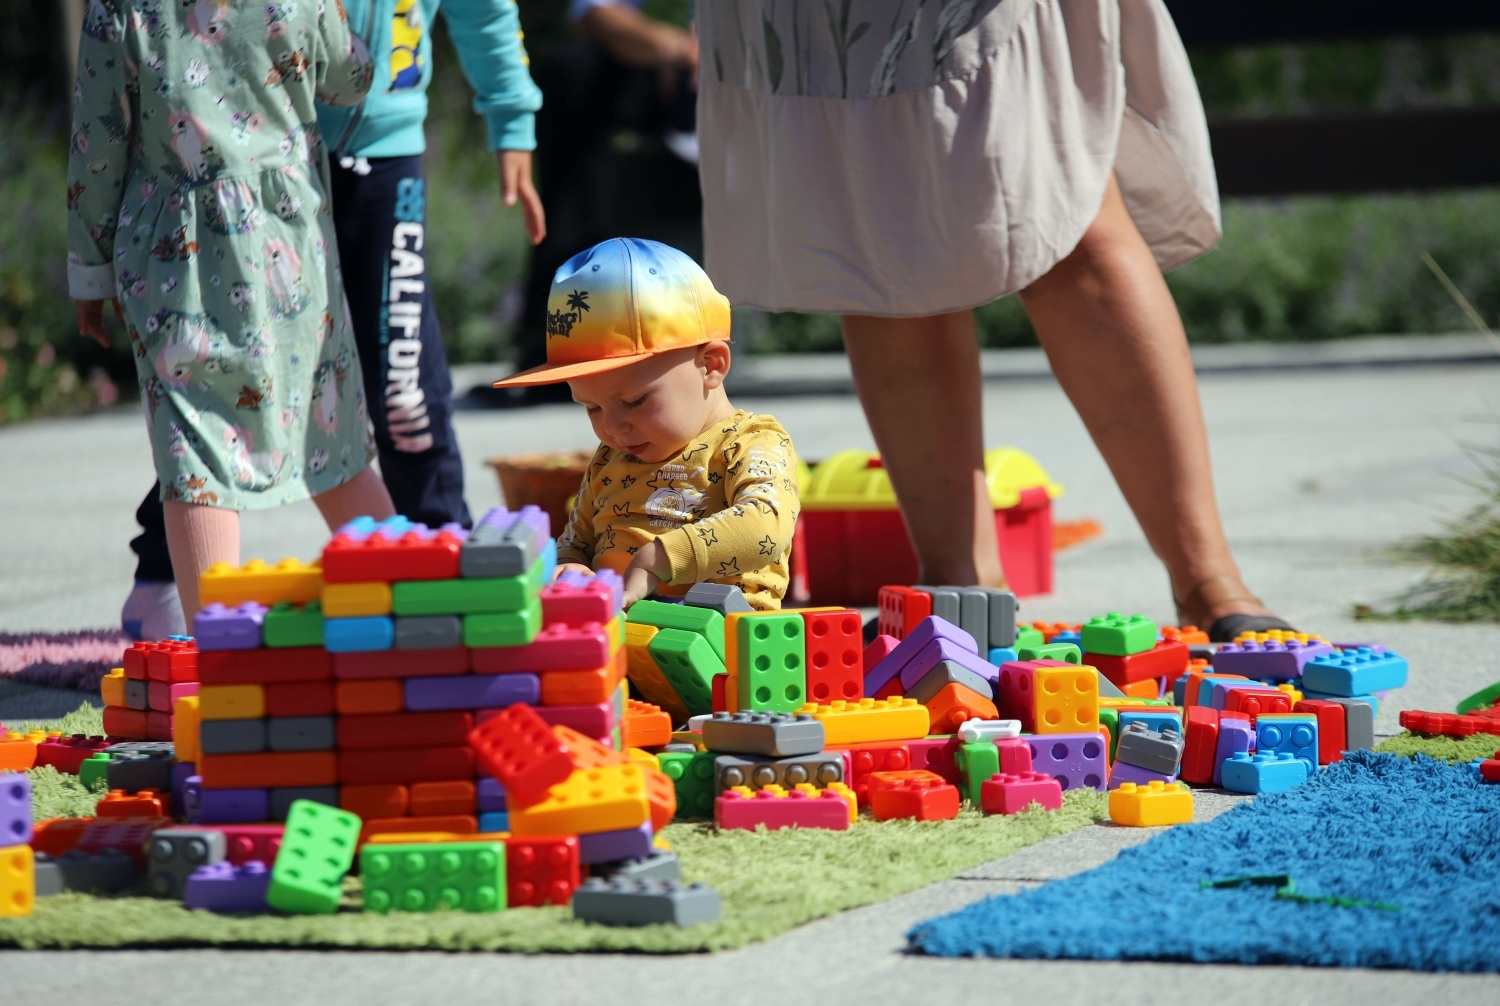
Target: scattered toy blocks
{"type": "Point", "coordinates": [1151, 806]}
{"type": "Point", "coordinates": [1354, 672]}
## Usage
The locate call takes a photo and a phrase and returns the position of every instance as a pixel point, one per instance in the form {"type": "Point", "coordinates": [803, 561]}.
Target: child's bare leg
{"type": "Point", "coordinates": [198, 537]}
{"type": "Point", "coordinates": [365, 495]}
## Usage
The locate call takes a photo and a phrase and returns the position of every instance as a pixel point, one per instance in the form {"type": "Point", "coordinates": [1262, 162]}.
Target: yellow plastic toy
{"type": "Point", "coordinates": [17, 881]}
{"type": "Point", "coordinates": [353, 600]}
{"type": "Point", "coordinates": [289, 580]}
{"type": "Point", "coordinates": [1151, 806]}
{"type": "Point", "coordinates": [609, 798]}
{"type": "Point", "coordinates": [868, 720]}
{"type": "Point", "coordinates": [1066, 700]}
{"type": "Point", "coordinates": [231, 702]}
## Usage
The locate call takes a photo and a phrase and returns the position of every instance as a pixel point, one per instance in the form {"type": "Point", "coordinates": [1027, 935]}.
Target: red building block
{"type": "Point", "coordinates": [404, 730]}
{"type": "Point", "coordinates": [370, 664]}
{"type": "Point", "coordinates": [158, 726]}
{"type": "Point", "coordinates": [734, 810]}
{"type": "Point", "coordinates": [1015, 755]}
{"type": "Point", "coordinates": [1254, 701]}
{"type": "Point", "coordinates": [880, 648]}
{"type": "Point", "coordinates": [406, 765]}
{"type": "Point", "coordinates": [128, 834]}
{"type": "Point", "coordinates": [1201, 742]}
{"type": "Point", "coordinates": [1489, 769]}
{"type": "Point", "coordinates": [300, 698]}
{"type": "Point", "coordinates": [173, 660]}
{"type": "Point", "coordinates": [555, 648]}
{"type": "Point", "coordinates": [1011, 794]}
{"type": "Point", "coordinates": [540, 870]}
{"type": "Point", "coordinates": [1332, 730]}
{"type": "Point", "coordinates": [936, 755]}
{"type": "Point", "coordinates": [135, 660]}
{"type": "Point", "coordinates": [269, 770]}
{"type": "Point", "coordinates": [519, 749]}
{"type": "Point", "coordinates": [66, 754]}
{"type": "Point", "coordinates": [568, 604]}
{"type": "Point", "coordinates": [1017, 683]}
{"type": "Point", "coordinates": [890, 690]}
{"type": "Point", "coordinates": [416, 555]}
{"type": "Point", "coordinates": [868, 758]}
{"type": "Point", "coordinates": [1447, 724]}
{"type": "Point", "coordinates": [375, 800]}
{"type": "Point", "coordinates": [450, 796]}
{"type": "Point", "coordinates": [244, 842]}
{"type": "Point", "coordinates": [127, 723]}
{"type": "Point", "coordinates": [56, 836]}
{"type": "Point", "coordinates": [719, 693]}
{"type": "Point", "coordinates": [162, 696]}
{"type": "Point", "coordinates": [1166, 660]}
{"type": "Point", "coordinates": [835, 657]}
{"type": "Point", "coordinates": [596, 720]}
{"type": "Point", "coordinates": [901, 608]}
{"type": "Point", "coordinates": [917, 794]}
{"type": "Point", "coordinates": [258, 667]}
{"type": "Point", "coordinates": [146, 803]}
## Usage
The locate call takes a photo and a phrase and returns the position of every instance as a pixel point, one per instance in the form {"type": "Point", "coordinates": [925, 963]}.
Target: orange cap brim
{"type": "Point", "coordinates": [556, 373]}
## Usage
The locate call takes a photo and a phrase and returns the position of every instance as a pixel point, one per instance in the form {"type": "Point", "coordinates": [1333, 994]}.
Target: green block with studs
{"type": "Point", "coordinates": [427, 876]}
{"type": "Point", "coordinates": [289, 624]}
{"type": "Point", "coordinates": [771, 662]}
{"type": "Point", "coordinates": [707, 622]}
{"type": "Point", "coordinates": [1068, 653]}
{"type": "Point", "coordinates": [1118, 635]}
{"type": "Point", "coordinates": [94, 768]}
{"type": "Point", "coordinates": [977, 762]}
{"type": "Point", "coordinates": [506, 628]}
{"type": "Point", "coordinates": [1028, 638]}
{"type": "Point", "coordinates": [689, 665]}
{"type": "Point", "coordinates": [475, 596]}
{"type": "Point", "coordinates": [692, 777]}
{"type": "Point", "coordinates": [317, 849]}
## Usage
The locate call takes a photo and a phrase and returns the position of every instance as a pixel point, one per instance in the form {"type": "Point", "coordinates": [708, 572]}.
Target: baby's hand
{"type": "Point", "coordinates": [649, 568]}
{"type": "Point", "coordinates": [579, 567]}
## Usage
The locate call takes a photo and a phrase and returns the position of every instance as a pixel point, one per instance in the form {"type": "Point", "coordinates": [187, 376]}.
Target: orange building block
{"type": "Point", "coordinates": [437, 799]}
{"type": "Point", "coordinates": [583, 688]}
{"type": "Point", "coordinates": [645, 725]}
{"type": "Point", "coordinates": [661, 793]}
{"type": "Point", "coordinates": [375, 800]}
{"type": "Point", "coordinates": [271, 769]}
{"type": "Point", "coordinates": [953, 704]}
{"type": "Point", "coordinates": [1148, 689]}
{"type": "Point", "coordinates": [586, 752]}
{"type": "Point", "coordinates": [112, 687]}
{"type": "Point", "coordinates": [450, 824]}
{"type": "Point", "coordinates": [381, 695]}
{"type": "Point", "coordinates": [146, 803]}
{"type": "Point", "coordinates": [17, 752]}
{"type": "Point", "coordinates": [1188, 634]}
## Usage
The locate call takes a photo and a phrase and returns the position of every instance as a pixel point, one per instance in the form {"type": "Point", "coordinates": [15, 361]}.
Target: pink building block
{"type": "Point", "coordinates": [1010, 794]}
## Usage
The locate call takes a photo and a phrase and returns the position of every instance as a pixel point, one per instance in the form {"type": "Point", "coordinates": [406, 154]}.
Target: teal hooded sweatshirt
{"type": "Point", "coordinates": [388, 123]}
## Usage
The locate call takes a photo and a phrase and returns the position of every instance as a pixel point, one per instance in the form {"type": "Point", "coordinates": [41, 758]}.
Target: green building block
{"type": "Point", "coordinates": [95, 768]}
{"type": "Point", "coordinates": [978, 762]}
{"type": "Point", "coordinates": [479, 596]}
{"type": "Point", "coordinates": [771, 662]}
{"type": "Point", "coordinates": [1482, 699]}
{"type": "Point", "coordinates": [317, 849]}
{"type": "Point", "coordinates": [692, 776]}
{"type": "Point", "coordinates": [707, 622]}
{"type": "Point", "coordinates": [288, 624]}
{"type": "Point", "coordinates": [1117, 635]}
{"type": "Point", "coordinates": [508, 628]}
{"type": "Point", "coordinates": [1029, 638]}
{"type": "Point", "coordinates": [426, 876]}
{"type": "Point", "coordinates": [1109, 719]}
{"type": "Point", "coordinates": [1068, 653]}
{"type": "Point", "coordinates": [689, 665]}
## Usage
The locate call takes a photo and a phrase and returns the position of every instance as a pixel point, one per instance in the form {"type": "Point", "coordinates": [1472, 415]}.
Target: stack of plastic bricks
{"type": "Point", "coordinates": [140, 696]}
{"type": "Point", "coordinates": [17, 873]}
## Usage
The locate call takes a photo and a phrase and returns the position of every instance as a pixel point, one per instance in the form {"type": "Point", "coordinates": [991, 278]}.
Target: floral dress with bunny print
{"type": "Point", "coordinates": [198, 195]}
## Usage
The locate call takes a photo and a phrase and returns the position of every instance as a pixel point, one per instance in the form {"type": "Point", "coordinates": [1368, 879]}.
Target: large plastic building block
{"type": "Point", "coordinates": [1236, 736]}
{"type": "Point", "coordinates": [509, 628]}
{"type": "Point", "coordinates": [505, 542]}
{"type": "Point", "coordinates": [388, 555]}
{"type": "Point", "coordinates": [1118, 635]}
{"type": "Point", "coordinates": [541, 870]}
{"type": "Point", "coordinates": [1151, 806]}
{"type": "Point", "coordinates": [583, 687]}
{"type": "Point", "coordinates": [300, 698]}
{"type": "Point", "coordinates": [357, 635]}
{"type": "Point", "coordinates": [219, 627]}
{"type": "Point", "coordinates": [398, 663]}
{"type": "Point", "coordinates": [977, 762]}
{"type": "Point", "coordinates": [373, 801]}
{"type": "Point", "coordinates": [706, 622]}
{"type": "Point", "coordinates": [66, 754]}
{"type": "Point", "coordinates": [1270, 660]}
{"type": "Point", "coordinates": [111, 690]}
{"type": "Point", "coordinates": [469, 876]}
{"type": "Point", "coordinates": [173, 659]}
{"type": "Point", "coordinates": [820, 769]}
{"type": "Point", "coordinates": [870, 720]}
{"type": "Point", "coordinates": [1200, 744]}
{"type": "Point", "coordinates": [176, 852]}
{"type": "Point", "coordinates": [609, 846]}
{"type": "Point", "coordinates": [902, 609]}
{"type": "Point", "coordinates": [227, 887]}
{"type": "Point", "coordinates": [231, 702]}
{"type": "Point", "coordinates": [317, 849]}
{"type": "Point", "coordinates": [1354, 672]}
{"type": "Point", "coordinates": [1074, 760]}
{"type": "Point", "coordinates": [1011, 793]}
{"type": "Point", "coordinates": [148, 765]}
{"type": "Point", "coordinates": [1121, 773]}
{"type": "Point", "coordinates": [1243, 772]}
{"type": "Point", "coordinates": [770, 662]}
{"type": "Point", "coordinates": [644, 725]}
{"type": "Point", "coordinates": [269, 769]}
{"type": "Point", "coordinates": [364, 698]}
{"type": "Point", "coordinates": [449, 827]}
{"type": "Point", "coordinates": [835, 655]}
{"type": "Point", "coordinates": [774, 735]}
{"type": "Point", "coordinates": [1289, 733]}
{"type": "Point", "coordinates": [137, 694]}
{"type": "Point", "coordinates": [162, 696]}
{"type": "Point", "coordinates": [1157, 751]}
{"type": "Point", "coordinates": [223, 806]}
{"type": "Point", "coordinates": [689, 664]}
{"type": "Point", "coordinates": [937, 754]}
{"type": "Point", "coordinates": [865, 759]}
{"type": "Point", "coordinates": [878, 649]}
{"type": "Point", "coordinates": [289, 625]}
{"type": "Point", "coordinates": [146, 803]}
{"type": "Point", "coordinates": [956, 704]}
{"type": "Point", "coordinates": [300, 733]}
{"type": "Point", "coordinates": [225, 737]}
{"type": "Point", "coordinates": [913, 643]}
{"type": "Point", "coordinates": [693, 779]}
{"type": "Point", "coordinates": [1415, 720]}
{"type": "Point", "coordinates": [725, 598]}
{"type": "Point", "coordinates": [1066, 700]}
{"type": "Point", "coordinates": [289, 580]}
{"type": "Point", "coordinates": [281, 798]}
{"type": "Point", "coordinates": [429, 632]}
{"type": "Point", "coordinates": [1331, 733]}
{"type": "Point", "coordinates": [242, 667]}
{"type": "Point", "coordinates": [565, 602]}
{"type": "Point", "coordinates": [1253, 702]}
{"type": "Point", "coordinates": [603, 799]}
{"type": "Point", "coordinates": [15, 809]}
{"type": "Point", "coordinates": [496, 595]}
{"type": "Point", "coordinates": [661, 794]}
{"type": "Point", "coordinates": [916, 794]}
{"type": "Point", "coordinates": [945, 651]}
{"type": "Point", "coordinates": [596, 720]}
{"type": "Point", "coordinates": [430, 764]}
{"type": "Point", "coordinates": [519, 749]}
{"type": "Point", "coordinates": [622, 901]}
{"type": "Point", "coordinates": [656, 866]}
{"type": "Point", "coordinates": [1153, 719]}
{"type": "Point", "coordinates": [471, 691]}
{"type": "Point", "coordinates": [556, 647]}
{"type": "Point", "coordinates": [103, 872]}
{"type": "Point", "coordinates": [1167, 659]}
{"type": "Point", "coordinates": [17, 881]}
{"type": "Point", "coordinates": [355, 600]}
{"type": "Point", "coordinates": [774, 808]}
{"type": "Point", "coordinates": [128, 834]}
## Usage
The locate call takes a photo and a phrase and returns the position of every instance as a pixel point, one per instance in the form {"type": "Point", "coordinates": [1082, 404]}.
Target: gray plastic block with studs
{"type": "Point", "coordinates": [1149, 749]}
{"type": "Point", "coordinates": [1359, 724]}
{"type": "Point", "coordinates": [788, 773]}
{"type": "Point", "coordinates": [657, 866]}
{"type": "Point", "coordinates": [621, 901]}
{"type": "Point", "coordinates": [725, 598]}
{"type": "Point", "coordinates": [774, 735]}
{"type": "Point", "coordinates": [174, 853]}
{"type": "Point", "coordinates": [948, 672]}
{"type": "Point", "coordinates": [947, 602]}
{"type": "Point", "coordinates": [144, 765]}
{"type": "Point", "coordinates": [102, 872]}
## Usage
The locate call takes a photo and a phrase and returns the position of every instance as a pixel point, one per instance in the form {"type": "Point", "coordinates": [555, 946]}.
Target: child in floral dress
{"type": "Point", "coordinates": [198, 196]}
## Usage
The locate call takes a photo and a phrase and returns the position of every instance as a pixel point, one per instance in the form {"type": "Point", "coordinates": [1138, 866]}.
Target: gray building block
{"type": "Point", "coordinates": [281, 799]}
{"type": "Point", "coordinates": [1359, 724]}
{"type": "Point", "coordinates": [1003, 610]}
{"type": "Point", "coordinates": [174, 853]}
{"type": "Point", "coordinates": [725, 598]}
{"type": "Point", "coordinates": [490, 552]}
{"type": "Point", "coordinates": [657, 866]}
{"type": "Point", "coordinates": [135, 770]}
{"type": "Point", "coordinates": [231, 736]}
{"type": "Point", "coordinates": [136, 694]}
{"type": "Point", "coordinates": [141, 747]}
{"type": "Point", "coordinates": [1107, 688]}
{"type": "Point", "coordinates": [974, 616]}
{"type": "Point", "coordinates": [774, 735]}
{"type": "Point", "coordinates": [1149, 749]}
{"type": "Point", "coordinates": [429, 632]}
{"type": "Point", "coordinates": [624, 902]}
{"type": "Point", "coordinates": [47, 875]}
{"type": "Point", "coordinates": [946, 602]}
{"type": "Point", "coordinates": [758, 773]}
{"type": "Point", "coordinates": [102, 872]}
{"type": "Point", "coordinates": [680, 747]}
{"type": "Point", "coordinates": [945, 673]}
{"type": "Point", "coordinates": [300, 733]}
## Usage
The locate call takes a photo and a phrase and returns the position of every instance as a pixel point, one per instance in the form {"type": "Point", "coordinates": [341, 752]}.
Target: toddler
{"type": "Point", "coordinates": [684, 488]}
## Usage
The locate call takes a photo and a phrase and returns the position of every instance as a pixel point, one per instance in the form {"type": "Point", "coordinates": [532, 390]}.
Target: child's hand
{"type": "Point", "coordinates": [578, 567]}
{"type": "Point", "coordinates": [90, 315]}
{"type": "Point", "coordinates": [649, 568]}
{"type": "Point", "coordinates": [515, 185]}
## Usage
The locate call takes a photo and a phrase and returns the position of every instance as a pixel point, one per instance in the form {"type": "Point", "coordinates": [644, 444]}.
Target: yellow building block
{"type": "Point", "coordinates": [870, 720]}
{"type": "Point", "coordinates": [288, 580]}
{"type": "Point", "coordinates": [1292, 692]}
{"type": "Point", "coordinates": [1150, 806]}
{"type": "Point", "coordinates": [112, 687]}
{"type": "Point", "coordinates": [609, 798]}
{"type": "Point", "coordinates": [352, 600]}
{"type": "Point", "coordinates": [1280, 636]}
{"type": "Point", "coordinates": [17, 881]}
{"type": "Point", "coordinates": [617, 633]}
{"type": "Point", "coordinates": [648, 679]}
{"type": "Point", "coordinates": [185, 728]}
{"type": "Point", "coordinates": [640, 757]}
{"type": "Point", "coordinates": [1067, 700]}
{"type": "Point", "coordinates": [231, 702]}
{"type": "Point", "coordinates": [837, 787]}
{"type": "Point", "coordinates": [688, 737]}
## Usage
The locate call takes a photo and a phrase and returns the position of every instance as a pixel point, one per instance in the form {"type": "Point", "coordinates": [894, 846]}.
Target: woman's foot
{"type": "Point", "coordinates": [1225, 607]}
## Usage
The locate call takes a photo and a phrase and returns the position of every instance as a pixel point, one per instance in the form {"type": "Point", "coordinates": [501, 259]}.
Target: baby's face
{"type": "Point", "coordinates": [653, 408]}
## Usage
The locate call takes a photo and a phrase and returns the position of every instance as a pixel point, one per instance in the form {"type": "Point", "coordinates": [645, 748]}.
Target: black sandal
{"type": "Point", "coordinates": [1215, 591]}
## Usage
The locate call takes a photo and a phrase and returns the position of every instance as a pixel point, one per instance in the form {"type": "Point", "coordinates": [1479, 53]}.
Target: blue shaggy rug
{"type": "Point", "coordinates": [1378, 862]}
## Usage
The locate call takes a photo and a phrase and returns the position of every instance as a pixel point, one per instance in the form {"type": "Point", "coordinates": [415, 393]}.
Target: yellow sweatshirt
{"type": "Point", "coordinates": [724, 510]}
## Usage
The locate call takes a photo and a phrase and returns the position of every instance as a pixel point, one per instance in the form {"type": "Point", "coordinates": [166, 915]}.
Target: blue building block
{"type": "Point", "coordinates": [1263, 773]}
{"type": "Point", "coordinates": [1001, 655]}
{"type": "Point", "coordinates": [356, 635]}
{"type": "Point", "coordinates": [1179, 691]}
{"type": "Point", "coordinates": [1069, 637]}
{"type": "Point", "coordinates": [1295, 734]}
{"type": "Point", "coordinates": [1166, 719]}
{"type": "Point", "coordinates": [493, 821]}
{"type": "Point", "coordinates": [1355, 672]}
{"type": "Point", "coordinates": [1206, 686]}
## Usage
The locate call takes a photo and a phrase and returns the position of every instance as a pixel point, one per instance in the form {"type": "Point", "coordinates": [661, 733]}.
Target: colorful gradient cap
{"type": "Point", "coordinates": [622, 301]}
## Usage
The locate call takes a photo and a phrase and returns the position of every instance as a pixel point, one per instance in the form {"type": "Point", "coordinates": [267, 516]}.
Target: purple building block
{"type": "Point", "coordinates": [612, 580]}
{"type": "Point", "coordinates": [223, 806]}
{"type": "Point", "coordinates": [15, 809]}
{"type": "Point", "coordinates": [939, 650]}
{"type": "Point", "coordinates": [1076, 761]}
{"type": "Point", "coordinates": [594, 721]}
{"type": "Point", "coordinates": [1372, 647]}
{"type": "Point", "coordinates": [609, 846]}
{"type": "Point", "coordinates": [927, 630]}
{"type": "Point", "coordinates": [491, 796]}
{"type": "Point", "coordinates": [181, 772]}
{"type": "Point", "coordinates": [1123, 773]}
{"type": "Point", "coordinates": [471, 691]}
{"type": "Point", "coordinates": [217, 627]}
{"type": "Point", "coordinates": [1234, 736]}
{"type": "Point", "coordinates": [1269, 660]}
{"type": "Point", "coordinates": [224, 887]}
